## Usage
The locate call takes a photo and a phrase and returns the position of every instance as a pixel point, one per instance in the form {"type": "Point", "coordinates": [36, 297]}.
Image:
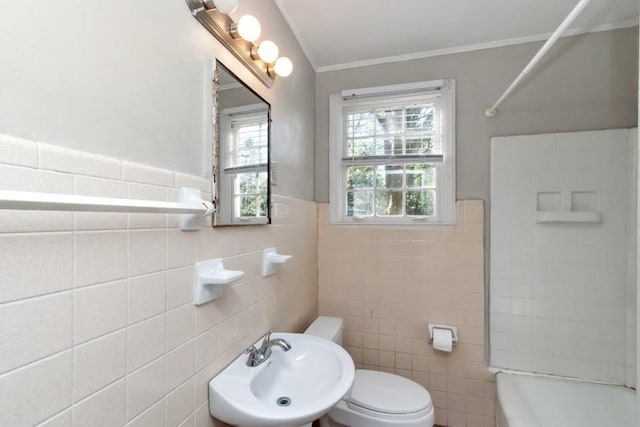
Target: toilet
{"type": "Point", "coordinates": [376, 399]}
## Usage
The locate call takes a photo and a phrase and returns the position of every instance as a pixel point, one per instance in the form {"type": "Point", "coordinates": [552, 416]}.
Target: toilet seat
{"type": "Point", "coordinates": [391, 417]}
{"type": "Point", "coordinates": [387, 393]}
{"type": "Point", "coordinates": [379, 399]}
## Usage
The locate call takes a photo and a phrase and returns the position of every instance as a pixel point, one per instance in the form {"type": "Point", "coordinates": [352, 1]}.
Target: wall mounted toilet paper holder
{"type": "Point", "coordinates": [453, 329]}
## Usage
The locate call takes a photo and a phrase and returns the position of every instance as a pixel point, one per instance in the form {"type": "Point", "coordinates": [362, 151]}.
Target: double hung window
{"type": "Point", "coordinates": [392, 154]}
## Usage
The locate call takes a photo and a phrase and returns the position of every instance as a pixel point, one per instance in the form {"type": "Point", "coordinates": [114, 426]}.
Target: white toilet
{"type": "Point", "coordinates": [376, 399]}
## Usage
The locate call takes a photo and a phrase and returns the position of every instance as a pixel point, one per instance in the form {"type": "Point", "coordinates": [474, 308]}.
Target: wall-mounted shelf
{"type": "Point", "coordinates": [548, 217]}
{"type": "Point", "coordinates": [211, 279]}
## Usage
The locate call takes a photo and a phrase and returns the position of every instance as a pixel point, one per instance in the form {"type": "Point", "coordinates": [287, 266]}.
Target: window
{"type": "Point", "coordinates": [245, 162]}
{"type": "Point", "coordinates": [392, 154]}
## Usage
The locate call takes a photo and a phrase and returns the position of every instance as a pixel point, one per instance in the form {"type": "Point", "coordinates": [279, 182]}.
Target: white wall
{"type": "Point", "coordinates": [129, 80]}
{"type": "Point", "coordinates": [559, 291]}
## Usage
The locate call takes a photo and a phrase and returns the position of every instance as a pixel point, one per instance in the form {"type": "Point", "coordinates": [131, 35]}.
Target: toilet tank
{"type": "Point", "coordinates": [330, 328]}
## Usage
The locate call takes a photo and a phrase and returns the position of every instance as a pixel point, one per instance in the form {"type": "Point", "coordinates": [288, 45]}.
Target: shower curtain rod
{"type": "Point", "coordinates": [191, 207]}
{"type": "Point", "coordinates": [582, 4]}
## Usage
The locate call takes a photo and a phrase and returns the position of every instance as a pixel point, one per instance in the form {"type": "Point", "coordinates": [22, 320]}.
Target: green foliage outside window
{"type": "Point", "coordinates": [251, 194]}
{"type": "Point", "coordinates": [391, 189]}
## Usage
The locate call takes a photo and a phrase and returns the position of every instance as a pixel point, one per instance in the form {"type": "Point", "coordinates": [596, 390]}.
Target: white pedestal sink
{"type": "Point", "coordinates": [289, 389]}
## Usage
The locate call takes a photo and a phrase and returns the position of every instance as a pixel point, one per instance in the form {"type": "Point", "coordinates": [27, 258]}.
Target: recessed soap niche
{"type": "Point", "coordinates": [583, 201]}
{"type": "Point", "coordinates": [567, 206]}
{"type": "Point", "coordinates": [549, 201]}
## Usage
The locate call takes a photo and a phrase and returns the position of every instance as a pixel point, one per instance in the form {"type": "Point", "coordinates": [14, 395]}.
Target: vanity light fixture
{"type": "Point", "coordinates": [248, 28]}
{"type": "Point", "coordinates": [267, 51]}
{"type": "Point", "coordinates": [283, 67]}
{"type": "Point", "coordinates": [261, 59]}
{"type": "Point", "coordinates": [224, 6]}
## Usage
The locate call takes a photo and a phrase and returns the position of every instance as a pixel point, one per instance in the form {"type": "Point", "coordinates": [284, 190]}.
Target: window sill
{"type": "Point", "coordinates": [404, 224]}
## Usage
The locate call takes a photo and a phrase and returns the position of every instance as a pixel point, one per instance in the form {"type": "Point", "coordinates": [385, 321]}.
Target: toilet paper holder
{"type": "Point", "coordinates": [453, 329]}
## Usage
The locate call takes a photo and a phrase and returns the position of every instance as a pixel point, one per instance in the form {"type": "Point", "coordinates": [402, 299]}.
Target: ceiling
{"type": "Point", "coordinates": [337, 34]}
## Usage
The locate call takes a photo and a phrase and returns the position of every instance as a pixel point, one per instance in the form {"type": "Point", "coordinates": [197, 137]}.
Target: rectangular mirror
{"type": "Point", "coordinates": [241, 152]}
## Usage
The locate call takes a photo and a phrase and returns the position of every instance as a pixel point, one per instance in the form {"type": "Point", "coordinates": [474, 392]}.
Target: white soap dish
{"type": "Point", "coordinates": [211, 279]}
{"type": "Point", "coordinates": [270, 259]}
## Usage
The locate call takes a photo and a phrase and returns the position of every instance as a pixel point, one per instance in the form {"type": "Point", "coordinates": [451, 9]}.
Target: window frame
{"type": "Point", "coordinates": [445, 170]}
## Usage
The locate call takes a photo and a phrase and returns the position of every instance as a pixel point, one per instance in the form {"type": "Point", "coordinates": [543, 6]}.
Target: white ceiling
{"type": "Point", "coordinates": [338, 34]}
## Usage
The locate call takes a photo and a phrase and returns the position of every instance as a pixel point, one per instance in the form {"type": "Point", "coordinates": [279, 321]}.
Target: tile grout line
{"type": "Point", "coordinates": [73, 311]}
{"type": "Point", "coordinates": [166, 313]}
{"type": "Point", "coordinates": [126, 315]}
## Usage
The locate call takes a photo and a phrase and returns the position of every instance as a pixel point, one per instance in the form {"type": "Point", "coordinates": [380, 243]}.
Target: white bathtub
{"type": "Point", "coordinates": [531, 401]}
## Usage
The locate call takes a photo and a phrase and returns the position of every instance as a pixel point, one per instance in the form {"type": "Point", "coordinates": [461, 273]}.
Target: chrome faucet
{"type": "Point", "coordinates": [257, 356]}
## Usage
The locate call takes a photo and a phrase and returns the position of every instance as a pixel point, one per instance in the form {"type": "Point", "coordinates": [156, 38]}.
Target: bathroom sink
{"type": "Point", "coordinates": [289, 389]}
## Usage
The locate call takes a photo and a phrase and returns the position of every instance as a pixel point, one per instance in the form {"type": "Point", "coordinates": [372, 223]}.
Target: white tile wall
{"type": "Point", "coordinates": [559, 292]}
{"type": "Point", "coordinates": [181, 364]}
{"type": "Point", "coordinates": [99, 257]}
{"type": "Point", "coordinates": [27, 399]}
{"type": "Point", "coordinates": [48, 261]}
{"type": "Point", "coordinates": [97, 322]}
{"type": "Point", "coordinates": [105, 408]}
{"type": "Point", "coordinates": [146, 342]}
{"type": "Point", "coordinates": [180, 402]}
{"type": "Point", "coordinates": [99, 309]}
{"type": "Point", "coordinates": [55, 158]}
{"type": "Point", "coordinates": [145, 387]}
{"type": "Point", "coordinates": [98, 363]}
{"type": "Point", "coordinates": [35, 329]}
{"type": "Point", "coordinates": [147, 296]}
{"type": "Point", "coordinates": [27, 179]}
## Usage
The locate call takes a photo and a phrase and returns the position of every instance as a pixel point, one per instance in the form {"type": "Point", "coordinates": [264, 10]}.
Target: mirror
{"type": "Point", "coordinates": [241, 152]}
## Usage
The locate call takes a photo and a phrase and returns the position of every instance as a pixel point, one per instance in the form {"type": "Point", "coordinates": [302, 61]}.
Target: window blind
{"type": "Point", "coordinates": [400, 131]}
{"type": "Point", "coordinates": [248, 143]}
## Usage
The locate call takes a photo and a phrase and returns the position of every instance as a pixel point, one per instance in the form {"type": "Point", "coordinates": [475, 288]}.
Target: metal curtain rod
{"type": "Point", "coordinates": [191, 206]}
{"type": "Point", "coordinates": [582, 4]}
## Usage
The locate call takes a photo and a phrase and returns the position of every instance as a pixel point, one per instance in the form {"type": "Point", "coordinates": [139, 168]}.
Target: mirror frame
{"type": "Point", "coordinates": [215, 158]}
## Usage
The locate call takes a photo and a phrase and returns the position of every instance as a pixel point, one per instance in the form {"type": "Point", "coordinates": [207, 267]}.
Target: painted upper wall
{"type": "Point", "coordinates": [586, 83]}
{"type": "Point", "coordinates": [130, 80]}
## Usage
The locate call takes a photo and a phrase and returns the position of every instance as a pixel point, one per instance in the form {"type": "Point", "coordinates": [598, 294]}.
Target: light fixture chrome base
{"type": "Point", "coordinates": [208, 4]}
{"type": "Point", "coordinates": [218, 24]}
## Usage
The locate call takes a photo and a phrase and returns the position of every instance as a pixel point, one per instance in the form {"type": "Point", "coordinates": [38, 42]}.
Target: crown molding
{"type": "Point", "coordinates": [467, 48]}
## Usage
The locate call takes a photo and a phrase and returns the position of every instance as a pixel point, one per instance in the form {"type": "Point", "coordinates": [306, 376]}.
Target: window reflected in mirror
{"type": "Point", "coordinates": [241, 160]}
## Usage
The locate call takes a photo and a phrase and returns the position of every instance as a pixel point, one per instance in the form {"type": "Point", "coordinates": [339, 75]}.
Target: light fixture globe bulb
{"type": "Point", "coordinates": [268, 51]}
{"type": "Point", "coordinates": [249, 28]}
{"type": "Point", "coordinates": [283, 67]}
{"type": "Point", "coordinates": [226, 6]}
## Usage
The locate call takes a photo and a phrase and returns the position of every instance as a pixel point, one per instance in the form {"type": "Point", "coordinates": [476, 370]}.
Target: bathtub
{"type": "Point", "coordinates": [532, 401]}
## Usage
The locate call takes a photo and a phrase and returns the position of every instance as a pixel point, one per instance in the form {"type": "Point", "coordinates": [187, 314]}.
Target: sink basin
{"type": "Point", "coordinates": [288, 390]}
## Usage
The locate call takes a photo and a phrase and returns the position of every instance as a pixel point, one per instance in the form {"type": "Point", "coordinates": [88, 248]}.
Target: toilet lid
{"type": "Point", "coordinates": [388, 393]}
